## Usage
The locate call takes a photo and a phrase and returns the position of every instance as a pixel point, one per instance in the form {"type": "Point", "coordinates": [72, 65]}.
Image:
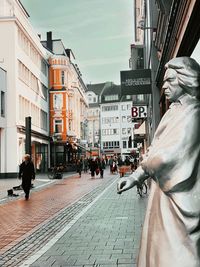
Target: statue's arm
{"type": "Point", "coordinates": [136, 178]}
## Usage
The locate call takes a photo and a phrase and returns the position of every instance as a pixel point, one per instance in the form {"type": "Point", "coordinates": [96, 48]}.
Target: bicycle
{"type": "Point", "coordinates": [55, 173]}
{"type": "Point", "coordinates": [142, 189]}
{"type": "Point", "coordinates": [51, 173]}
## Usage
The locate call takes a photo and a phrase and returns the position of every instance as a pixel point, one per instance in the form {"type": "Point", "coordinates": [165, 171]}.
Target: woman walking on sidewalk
{"type": "Point", "coordinates": [27, 173]}
{"type": "Point", "coordinates": [102, 166]}
{"type": "Point", "coordinates": [79, 167]}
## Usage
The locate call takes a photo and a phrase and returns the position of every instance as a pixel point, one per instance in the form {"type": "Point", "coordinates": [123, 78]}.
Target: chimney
{"type": "Point", "coordinates": [68, 52]}
{"type": "Point", "coordinates": [49, 41]}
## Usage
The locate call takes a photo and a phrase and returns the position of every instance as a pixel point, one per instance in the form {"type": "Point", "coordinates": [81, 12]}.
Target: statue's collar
{"type": "Point", "coordinates": [181, 100]}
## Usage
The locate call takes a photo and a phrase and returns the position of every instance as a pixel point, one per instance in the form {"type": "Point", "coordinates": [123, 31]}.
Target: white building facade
{"type": "Point", "coordinates": [116, 129]}
{"type": "Point", "coordinates": [24, 60]}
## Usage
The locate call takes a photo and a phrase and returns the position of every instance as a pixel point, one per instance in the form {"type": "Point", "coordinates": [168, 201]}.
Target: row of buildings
{"type": "Point", "coordinates": [38, 80]}
{"type": "Point", "coordinates": [46, 108]}
{"type": "Point", "coordinates": [163, 30]}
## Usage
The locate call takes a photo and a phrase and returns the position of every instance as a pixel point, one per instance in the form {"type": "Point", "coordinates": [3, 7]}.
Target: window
{"type": "Point", "coordinates": [110, 131]}
{"type": "Point", "coordinates": [108, 145]}
{"type": "Point", "coordinates": [123, 130]}
{"type": "Point", "coordinates": [111, 97]}
{"type": "Point", "coordinates": [114, 131]}
{"type": "Point", "coordinates": [109, 108]}
{"type": "Point", "coordinates": [128, 131]}
{"type": "Point", "coordinates": [129, 118]}
{"type": "Point", "coordinates": [124, 144]}
{"type": "Point", "coordinates": [140, 97]}
{"type": "Point", "coordinates": [2, 104]}
{"type": "Point", "coordinates": [44, 67]}
{"type": "Point", "coordinates": [43, 120]}
{"type": "Point", "coordinates": [116, 144]}
{"type": "Point", "coordinates": [123, 118]}
{"type": "Point", "coordinates": [44, 91]}
{"type": "Point", "coordinates": [58, 126]}
{"type": "Point", "coordinates": [62, 77]}
{"type": "Point", "coordinates": [123, 107]}
{"type": "Point", "coordinates": [128, 106]}
{"type": "Point", "coordinates": [57, 101]}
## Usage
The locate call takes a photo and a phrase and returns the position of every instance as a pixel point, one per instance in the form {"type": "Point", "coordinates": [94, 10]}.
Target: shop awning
{"type": "Point", "coordinates": [141, 130]}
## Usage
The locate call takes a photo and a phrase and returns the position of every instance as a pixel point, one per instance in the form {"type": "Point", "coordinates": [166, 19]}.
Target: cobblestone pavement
{"type": "Point", "coordinates": [74, 222]}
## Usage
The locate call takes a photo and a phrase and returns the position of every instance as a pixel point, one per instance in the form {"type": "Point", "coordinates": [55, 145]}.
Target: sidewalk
{"type": "Point", "coordinates": [83, 223]}
{"type": "Point", "coordinates": [41, 181]}
{"type": "Point", "coordinates": [107, 234]}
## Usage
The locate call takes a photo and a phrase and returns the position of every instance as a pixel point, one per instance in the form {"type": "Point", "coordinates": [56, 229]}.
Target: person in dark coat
{"type": "Point", "coordinates": [27, 173]}
{"type": "Point", "coordinates": [93, 167]}
{"type": "Point", "coordinates": [102, 166]}
{"type": "Point", "coordinates": [79, 167]}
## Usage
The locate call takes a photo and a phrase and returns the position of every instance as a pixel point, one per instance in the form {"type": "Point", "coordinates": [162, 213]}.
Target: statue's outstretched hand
{"type": "Point", "coordinates": [125, 184]}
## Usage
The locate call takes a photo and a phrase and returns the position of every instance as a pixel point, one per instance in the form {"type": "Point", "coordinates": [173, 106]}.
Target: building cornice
{"type": "Point", "coordinates": [22, 129]}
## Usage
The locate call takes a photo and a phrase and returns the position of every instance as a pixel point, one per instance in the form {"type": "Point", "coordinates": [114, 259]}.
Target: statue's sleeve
{"type": "Point", "coordinates": [173, 158]}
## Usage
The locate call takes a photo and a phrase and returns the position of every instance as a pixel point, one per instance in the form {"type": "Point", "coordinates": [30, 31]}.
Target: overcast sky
{"type": "Point", "coordinates": [99, 32]}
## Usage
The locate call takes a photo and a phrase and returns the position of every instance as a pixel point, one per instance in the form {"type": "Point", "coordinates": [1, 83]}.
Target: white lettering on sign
{"type": "Point", "coordinates": [136, 82]}
{"type": "Point", "coordinates": [139, 112]}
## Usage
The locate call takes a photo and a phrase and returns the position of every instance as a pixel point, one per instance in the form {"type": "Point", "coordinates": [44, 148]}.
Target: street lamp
{"type": "Point", "coordinates": [147, 28]}
{"type": "Point", "coordinates": [141, 25]}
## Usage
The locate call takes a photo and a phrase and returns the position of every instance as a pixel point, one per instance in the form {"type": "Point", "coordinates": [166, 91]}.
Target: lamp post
{"type": "Point", "coordinates": [28, 135]}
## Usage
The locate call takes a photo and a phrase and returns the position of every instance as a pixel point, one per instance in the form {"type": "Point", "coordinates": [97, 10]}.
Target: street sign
{"type": "Point", "coordinates": [139, 112]}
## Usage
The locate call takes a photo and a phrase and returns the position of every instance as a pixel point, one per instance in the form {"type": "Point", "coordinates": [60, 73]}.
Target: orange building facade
{"type": "Point", "coordinates": [58, 98]}
{"type": "Point", "coordinates": [67, 104]}
{"type": "Point", "coordinates": [67, 109]}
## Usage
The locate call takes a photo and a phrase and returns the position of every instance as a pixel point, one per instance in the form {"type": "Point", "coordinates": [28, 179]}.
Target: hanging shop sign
{"type": "Point", "coordinates": [139, 112]}
{"type": "Point", "coordinates": [135, 82]}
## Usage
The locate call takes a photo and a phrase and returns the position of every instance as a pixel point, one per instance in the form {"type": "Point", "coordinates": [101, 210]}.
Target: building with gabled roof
{"type": "Point", "coordinates": [67, 103]}
{"type": "Point", "coordinates": [109, 120]}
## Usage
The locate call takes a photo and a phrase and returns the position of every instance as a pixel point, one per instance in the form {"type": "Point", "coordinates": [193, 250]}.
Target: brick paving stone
{"type": "Point", "coordinates": [106, 235]}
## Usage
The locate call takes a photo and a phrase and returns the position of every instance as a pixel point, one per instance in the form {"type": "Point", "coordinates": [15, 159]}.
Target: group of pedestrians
{"type": "Point", "coordinates": [95, 165]}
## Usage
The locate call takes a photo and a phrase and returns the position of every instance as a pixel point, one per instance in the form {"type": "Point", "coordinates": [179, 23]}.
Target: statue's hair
{"type": "Point", "coordinates": [188, 74]}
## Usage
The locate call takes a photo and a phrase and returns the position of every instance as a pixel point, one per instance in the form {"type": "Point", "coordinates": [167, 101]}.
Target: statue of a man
{"type": "Point", "coordinates": [171, 231]}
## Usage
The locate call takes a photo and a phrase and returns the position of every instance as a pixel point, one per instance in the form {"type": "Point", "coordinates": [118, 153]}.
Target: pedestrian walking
{"type": "Point", "coordinates": [27, 174]}
{"type": "Point", "coordinates": [79, 167]}
{"type": "Point", "coordinates": [110, 162]}
{"type": "Point", "coordinates": [93, 167]}
{"type": "Point", "coordinates": [101, 166]}
{"type": "Point", "coordinates": [85, 165]}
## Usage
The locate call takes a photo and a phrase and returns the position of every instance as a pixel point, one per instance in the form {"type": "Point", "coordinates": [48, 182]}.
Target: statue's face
{"type": "Point", "coordinates": [171, 86]}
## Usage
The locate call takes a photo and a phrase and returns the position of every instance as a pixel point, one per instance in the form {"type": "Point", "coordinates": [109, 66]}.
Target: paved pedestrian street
{"type": "Point", "coordinates": [73, 222]}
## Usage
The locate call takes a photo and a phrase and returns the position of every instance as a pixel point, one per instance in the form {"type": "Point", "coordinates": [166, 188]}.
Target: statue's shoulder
{"type": "Point", "coordinates": [191, 102]}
